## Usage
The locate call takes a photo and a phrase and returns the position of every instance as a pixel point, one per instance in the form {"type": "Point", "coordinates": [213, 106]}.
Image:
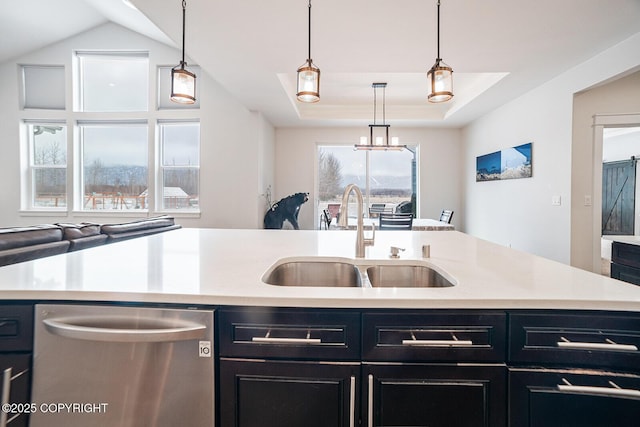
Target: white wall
{"type": "Point", "coordinates": [519, 213]}
{"type": "Point", "coordinates": [266, 167]}
{"type": "Point", "coordinates": [439, 184]}
{"type": "Point", "coordinates": [233, 139]}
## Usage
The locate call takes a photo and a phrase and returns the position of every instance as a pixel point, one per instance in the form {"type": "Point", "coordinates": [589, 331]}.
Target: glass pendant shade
{"type": "Point", "coordinates": [308, 82]}
{"type": "Point", "coordinates": [440, 79]}
{"type": "Point", "coordinates": [183, 85]}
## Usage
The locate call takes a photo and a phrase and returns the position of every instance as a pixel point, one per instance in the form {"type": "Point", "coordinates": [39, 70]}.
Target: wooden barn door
{"type": "Point", "coordinates": [618, 197]}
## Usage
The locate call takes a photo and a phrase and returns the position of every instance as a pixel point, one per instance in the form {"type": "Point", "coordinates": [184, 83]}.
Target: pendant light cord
{"type": "Point", "coordinates": [375, 104]}
{"type": "Point", "coordinates": [438, 58]}
{"type": "Point", "coordinates": [184, 14]}
{"type": "Point", "coordinates": [309, 56]}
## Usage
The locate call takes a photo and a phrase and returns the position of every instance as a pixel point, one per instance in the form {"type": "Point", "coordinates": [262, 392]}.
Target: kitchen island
{"type": "Point", "coordinates": [225, 267]}
{"type": "Point", "coordinates": [518, 340]}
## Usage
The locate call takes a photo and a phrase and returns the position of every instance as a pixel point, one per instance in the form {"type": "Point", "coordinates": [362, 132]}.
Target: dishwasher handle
{"type": "Point", "coordinates": [120, 329]}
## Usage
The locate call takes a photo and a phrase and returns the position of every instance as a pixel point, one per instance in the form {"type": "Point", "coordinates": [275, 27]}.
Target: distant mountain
{"type": "Point", "coordinates": [379, 182]}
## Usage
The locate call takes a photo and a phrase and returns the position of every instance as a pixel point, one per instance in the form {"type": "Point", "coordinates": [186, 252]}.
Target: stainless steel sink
{"type": "Point", "coordinates": [314, 273]}
{"type": "Point", "coordinates": [406, 276]}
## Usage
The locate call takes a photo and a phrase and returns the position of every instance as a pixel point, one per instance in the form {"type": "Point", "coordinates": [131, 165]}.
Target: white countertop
{"type": "Point", "coordinates": [213, 266]}
{"type": "Point", "coordinates": [632, 240]}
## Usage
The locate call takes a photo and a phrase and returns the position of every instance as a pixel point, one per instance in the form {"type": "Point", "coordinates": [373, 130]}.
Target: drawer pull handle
{"type": "Point", "coordinates": [352, 401]}
{"type": "Point", "coordinates": [6, 391]}
{"type": "Point", "coordinates": [614, 391]}
{"type": "Point", "coordinates": [276, 340]}
{"type": "Point", "coordinates": [454, 342]}
{"type": "Point", "coordinates": [370, 401]}
{"type": "Point", "coordinates": [271, 340]}
{"type": "Point", "coordinates": [609, 345]}
{"type": "Point", "coordinates": [439, 343]}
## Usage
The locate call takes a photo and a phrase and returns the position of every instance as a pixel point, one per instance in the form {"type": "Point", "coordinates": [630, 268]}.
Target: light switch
{"type": "Point", "coordinates": [587, 200]}
{"type": "Point", "coordinates": [556, 200]}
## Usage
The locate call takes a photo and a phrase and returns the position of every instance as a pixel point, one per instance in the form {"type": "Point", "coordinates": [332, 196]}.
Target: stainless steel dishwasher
{"type": "Point", "coordinates": [122, 366]}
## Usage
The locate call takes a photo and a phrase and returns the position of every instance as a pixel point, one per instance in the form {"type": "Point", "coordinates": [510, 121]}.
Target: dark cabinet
{"type": "Point", "coordinates": [625, 262]}
{"type": "Point", "coordinates": [575, 339]}
{"type": "Point", "coordinates": [436, 368]}
{"type": "Point", "coordinates": [435, 395]}
{"type": "Point", "coordinates": [570, 398]}
{"type": "Point", "coordinates": [16, 343]}
{"type": "Point", "coordinates": [288, 367]}
{"type": "Point", "coordinates": [288, 394]}
{"type": "Point", "coordinates": [574, 369]}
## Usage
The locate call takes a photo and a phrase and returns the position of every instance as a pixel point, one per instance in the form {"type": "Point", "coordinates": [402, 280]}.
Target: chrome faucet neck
{"type": "Point", "coordinates": [343, 222]}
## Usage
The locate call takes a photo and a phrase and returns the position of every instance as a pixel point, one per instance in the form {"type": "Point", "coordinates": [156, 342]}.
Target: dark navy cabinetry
{"type": "Point", "coordinates": [16, 344]}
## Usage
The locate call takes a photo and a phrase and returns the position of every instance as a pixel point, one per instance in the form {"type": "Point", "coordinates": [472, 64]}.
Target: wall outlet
{"type": "Point", "coordinates": [556, 200]}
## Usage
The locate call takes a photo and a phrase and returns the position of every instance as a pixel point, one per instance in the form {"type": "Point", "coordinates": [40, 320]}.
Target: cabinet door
{"type": "Point", "coordinates": [287, 394]}
{"type": "Point", "coordinates": [569, 399]}
{"type": "Point", "coordinates": [434, 396]}
{"type": "Point", "coordinates": [15, 376]}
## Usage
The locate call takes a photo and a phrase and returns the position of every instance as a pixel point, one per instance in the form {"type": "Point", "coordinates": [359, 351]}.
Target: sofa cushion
{"type": "Point", "coordinates": [139, 225]}
{"type": "Point", "coordinates": [28, 253]}
{"type": "Point", "coordinates": [78, 231]}
{"type": "Point", "coordinates": [87, 242]}
{"type": "Point", "coordinates": [18, 237]}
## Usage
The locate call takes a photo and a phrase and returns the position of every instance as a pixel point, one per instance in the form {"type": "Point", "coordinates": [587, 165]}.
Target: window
{"type": "Point", "coordinates": [384, 177]}
{"type": "Point", "coordinates": [47, 147]}
{"type": "Point", "coordinates": [43, 87]}
{"type": "Point", "coordinates": [116, 81]}
{"type": "Point", "coordinates": [114, 165]}
{"type": "Point", "coordinates": [123, 155]}
{"type": "Point", "coordinates": [180, 165]}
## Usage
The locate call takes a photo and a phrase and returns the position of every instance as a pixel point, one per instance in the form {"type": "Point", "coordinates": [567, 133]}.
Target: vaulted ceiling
{"type": "Point", "coordinates": [499, 49]}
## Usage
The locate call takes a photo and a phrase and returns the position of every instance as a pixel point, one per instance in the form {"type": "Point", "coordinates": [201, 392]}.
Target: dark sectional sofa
{"type": "Point", "coordinates": [18, 244]}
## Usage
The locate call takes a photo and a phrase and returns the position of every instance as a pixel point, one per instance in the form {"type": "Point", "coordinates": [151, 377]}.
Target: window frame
{"type": "Point", "coordinates": [79, 183]}
{"type": "Point", "coordinates": [74, 118]}
{"type": "Point", "coordinates": [79, 77]}
{"type": "Point", "coordinates": [32, 167]}
{"type": "Point", "coordinates": [161, 167]}
{"type": "Point", "coordinates": [365, 189]}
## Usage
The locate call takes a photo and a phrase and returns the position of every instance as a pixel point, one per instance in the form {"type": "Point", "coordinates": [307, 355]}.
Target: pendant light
{"type": "Point", "coordinates": [440, 76]}
{"type": "Point", "coordinates": [308, 76]}
{"type": "Point", "coordinates": [379, 133]}
{"type": "Point", "coordinates": [183, 81]}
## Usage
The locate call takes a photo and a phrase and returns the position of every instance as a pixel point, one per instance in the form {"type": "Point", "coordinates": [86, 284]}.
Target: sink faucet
{"type": "Point", "coordinates": [361, 242]}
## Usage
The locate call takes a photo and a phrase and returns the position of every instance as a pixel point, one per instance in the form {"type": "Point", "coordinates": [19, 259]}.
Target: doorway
{"type": "Point", "coordinates": [619, 214]}
{"type": "Point", "coordinates": [618, 197]}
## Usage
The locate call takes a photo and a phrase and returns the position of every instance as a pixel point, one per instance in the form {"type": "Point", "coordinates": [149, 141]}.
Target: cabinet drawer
{"type": "Point", "coordinates": [435, 336]}
{"type": "Point", "coordinates": [573, 398]}
{"type": "Point", "coordinates": [576, 339]}
{"type": "Point", "coordinates": [625, 254]}
{"type": "Point", "coordinates": [16, 327]}
{"type": "Point", "coordinates": [625, 273]}
{"type": "Point", "coordinates": [289, 333]}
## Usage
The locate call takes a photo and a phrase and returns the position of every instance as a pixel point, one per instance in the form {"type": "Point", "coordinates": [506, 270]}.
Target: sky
{"type": "Point", "coordinates": [391, 163]}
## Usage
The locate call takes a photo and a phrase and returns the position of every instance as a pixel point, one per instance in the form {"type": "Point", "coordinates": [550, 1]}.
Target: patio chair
{"type": "Point", "coordinates": [396, 221]}
{"type": "Point", "coordinates": [446, 216]}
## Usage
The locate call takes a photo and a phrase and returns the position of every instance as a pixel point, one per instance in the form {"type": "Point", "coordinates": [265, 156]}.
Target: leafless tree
{"type": "Point", "coordinates": [330, 176]}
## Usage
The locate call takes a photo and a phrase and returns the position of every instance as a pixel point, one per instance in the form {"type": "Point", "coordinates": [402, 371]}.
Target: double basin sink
{"type": "Point", "coordinates": [332, 272]}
